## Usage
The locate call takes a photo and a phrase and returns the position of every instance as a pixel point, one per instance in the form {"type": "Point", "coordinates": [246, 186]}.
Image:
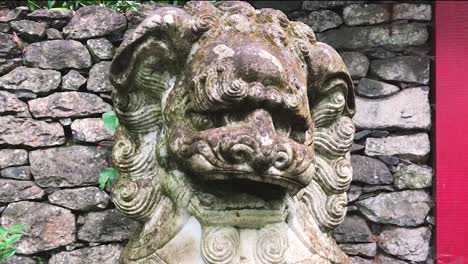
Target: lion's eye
{"type": "Point", "coordinates": [202, 122]}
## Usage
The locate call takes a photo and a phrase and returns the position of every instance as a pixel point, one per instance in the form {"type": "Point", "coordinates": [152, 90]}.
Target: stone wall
{"type": "Point", "coordinates": [54, 88]}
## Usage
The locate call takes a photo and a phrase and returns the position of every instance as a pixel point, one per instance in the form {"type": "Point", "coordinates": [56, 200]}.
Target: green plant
{"type": "Point", "coordinates": [8, 237]}
{"type": "Point", "coordinates": [108, 175]}
{"type": "Point", "coordinates": [38, 259]}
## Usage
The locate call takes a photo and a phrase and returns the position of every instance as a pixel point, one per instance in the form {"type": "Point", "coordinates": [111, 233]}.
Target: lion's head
{"type": "Point", "coordinates": [237, 118]}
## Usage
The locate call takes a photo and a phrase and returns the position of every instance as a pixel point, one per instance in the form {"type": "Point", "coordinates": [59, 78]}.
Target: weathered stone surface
{"type": "Point", "coordinates": [14, 14]}
{"type": "Point", "coordinates": [413, 176]}
{"type": "Point", "coordinates": [315, 5]}
{"type": "Point", "coordinates": [135, 17]}
{"type": "Point", "coordinates": [356, 62]}
{"type": "Point", "coordinates": [412, 69]}
{"type": "Point", "coordinates": [385, 259]}
{"type": "Point", "coordinates": [101, 48]}
{"type": "Point", "coordinates": [16, 259]}
{"type": "Point", "coordinates": [106, 226]}
{"type": "Point", "coordinates": [5, 28]}
{"type": "Point", "coordinates": [13, 191]}
{"type": "Point", "coordinates": [8, 47]}
{"type": "Point", "coordinates": [99, 78]}
{"type": "Point", "coordinates": [412, 147]}
{"type": "Point", "coordinates": [359, 260]}
{"type": "Point", "coordinates": [370, 171]}
{"type": "Point", "coordinates": [354, 229]}
{"type": "Point", "coordinates": [68, 104]}
{"type": "Point", "coordinates": [90, 130]}
{"type": "Point", "coordinates": [57, 54]}
{"type": "Point", "coordinates": [350, 38]}
{"type": "Point", "coordinates": [53, 33]}
{"type": "Point", "coordinates": [377, 188]}
{"type": "Point", "coordinates": [105, 254]}
{"type": "Point", "coordinates": [46, 226]}
{"type": "Point", "coordinates": [406, 243]}
{"type": "Point", "coordinates": [375, 89]}
{"type": "Point", "coordinates": [365, 249]}
{"type": "Point", "coordinates": [31, 80]}
{"type": "Point", "coordinates": [406, 208]}
{"type": "Point", "coordinates": [66, 166]}
{"type": "Point", "coordinates": [409, 109]}
{"type": "Point", "coordinates": [55, 18]}
{"type": "Point", "coordinates": [29, 30]}
{"type": "Point", "coordinates": [7, 65]}
{"type": "Point", "coordinates": [19, 173]}
{"type": "Point", "coordinates": [28, 132]}
{"type": "Point", "coordinates": [13, 157]}
{"type": "Point", "coordinates": [353, 193]}
{"type": "Point", "coordinates": [72, 81]}
{"type": "Point", "coordinates": [95, 21]}
{"type": "Point", "coordinates": [322, 20]}
{"type": "Point", "coordinates": [82, 199]}
{"type": "Point", "coordinates": [365, 14]}
{"type": "Point", "coordinates": [412, 11]}
{"type": "Point", "coordinates": [10, 104]}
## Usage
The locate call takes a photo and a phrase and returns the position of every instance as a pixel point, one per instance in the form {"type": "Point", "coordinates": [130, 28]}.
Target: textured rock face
{"type": "Point", "coordinates": [29, 30]}
{"type": "Point", "coordinates": [99, 78]}
{"type": "Point", "coordinates": [413, 176]}
{"type": "Point", "coordinates": [106, 254]}
{"type": "Point", "coordinates": [354, 229]}
{"type": "Point", "coordinates": [57, 54]}
{"type": "Point", "coordinates": [90, 130]}
{"type": "Point", "coordinates": [375, 89]}
{"type": "Point", "coordinates": [406, 69]}
{"type": "Point", "coordinates": [72, 81]}
{"type": "Point", "coordinates": [94, 21]}
{"type": "Point", "coordinates": [82, 199]}
{"type": "Point", "coordinates": [357, 63]}
{"type": "Point", "coordinates": [409, 109]}
{"type": "Point", "coordinates": [365, 14]}
{"type": "Point", "coordinates": [10, 104]}
{"type": "Point", "coordinates": [370, 171]}
{"type": "Point", "coordinates": [13, 191]}
{"type": "Point", "coordinates": [106, 226]}
{"type": "Point", "coordinates": [32, 80]}
{"type": "Point", "coordinates": [68, 104]}
{"type": "Point", "coordinates": [19, 173]}
{"type": "Point", "coordinates": [66, 166]}
{"type": "Point", "coordinates": [322, 20]}
{"type": "Point", "coordinates": [13, 157]}
{"type": "Point", "coordinates": [101, 49]}
{"type": "Point", "coordinates": [406, 208]}
{"type": "Point", "coordinates": [365, 249]}
{"type": "Point", "coordinates": [413, 147]}
{"type": "Point", "coordinates": [28, 132]}
{"type": "Point", "coordinates": [8, 47]}
{"type": "Point", "coordinates": [46, 226]}
{"type": "Point", "coordinates": [406, 243]}
{"type": "Point", "coordinates": [412, 11]}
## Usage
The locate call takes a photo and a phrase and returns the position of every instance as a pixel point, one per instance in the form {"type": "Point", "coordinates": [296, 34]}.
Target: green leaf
{"type": "Point", "coordinates": [106, 177]}
{"type": "Point", "coordinates": [7, 253]}
{"type": "Point", "coordinates": [58, 8]}
{"type": "Point", "coordinates": [15, 229]}
{"type": "Point", "coordinates": [110, 121]}
{"type": "Point", "coordinates": [12, 239]}
{"type": "Point", "coordinates": [3, 231]}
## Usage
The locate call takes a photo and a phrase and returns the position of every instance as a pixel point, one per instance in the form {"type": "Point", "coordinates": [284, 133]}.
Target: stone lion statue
{"type": "Point", "coordinates": [234, 137]}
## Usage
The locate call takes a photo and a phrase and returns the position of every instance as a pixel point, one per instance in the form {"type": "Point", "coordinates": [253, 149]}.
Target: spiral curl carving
{"type": "Point", "coordinates": [335, 176]}
{"type": "Point", "coordinates": [327, 111]}
{"type": "Point", "coordinates": [272, 245]}
{"type": "Point", "coordinates": [220, 245]}
{"type": "Point", "coordinates": [335, 141]}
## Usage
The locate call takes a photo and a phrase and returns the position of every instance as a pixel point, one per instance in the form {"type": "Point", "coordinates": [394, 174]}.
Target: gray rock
{"type": "Point", "coordinates": [354, 193]}
{"type": "Point", "coordinates": [356, 62]}
{"type": "Point", "coordinates": [66, 166]}
{"type": "Point", "coordinates": [356, 148]}
{"type": "Point", "coordinates": [366, 249]}
{"type": "Point", "coordinates": [315, 5]}
{"type": "Point", "coordinates": [31, 80]}
{"type": "Point", "coordinates": [46, 226]}
{"type": "Point", "coordinates": [53, 33]}
{"type": "Point", "coordinates": [10, 104]}
{"type": "Point", "coordinates": [385, 259]}
{"type": "Point", "coordinates": [101, 48]}
{"type": "Point", "coordinates": [413, 176]}
{"type": "Point", "coordinates": [82, 199]}
{"type": "Point", "coordinates": [55, 18]}
{"type": "Point", "coordinates": [72, 81]}
{"type": "Point", "coordinates": [377, 188]}
{"type": "Point", "coordinates": [13, 157]}
{"type": "Point", "coordinates": [370, 171]}
{"type": "Point", "coordinates": [322, 20]}
{"type": "Point", "coordinates": [90, 130]}
{"type": "Point", "coordinates": [8, 47]}
{"type": "Point", "coordinates": [136, 16]}
{"type": "Point", "coordinates": [15, 259]}
{"type": "Point", "coordinates": [365, 14]}
{"type": "Point", "coordinates": [413, 69]}
{"type": "Point", "coordinates": [413, 147]}
{"type": "Point", "coordinates": [14, 14]}
{"type": "Point", "coordinates": [406, 208]}
{"type": "Point", "coordinates": [57, 54]}
{"type": "Point", "coordinates": [354, 229]}
{"type": "Point", "coordinates": [359, 260]}
{"type": "Point", "coordinates": [105, 254]}
{"type": "Point", "coordinates": [98, 80]}
{"type": "Point", "coordinates": [406, 243]}
{"type": "Point", "coordinates": [351, 38]}
{"type": "Point", "coordinates": [19, 173]}
{"type": "Point", "coordinates": [380, 53]}
{"type": "Point", "coordinates": [375, 89]}
{"type": "Point", "coordinates": [412, 11]}
{"type": "Point", "coordinates": [29, 30]}
{"type": "Point", "coordinates": [105, 226]}
{"type": "Point", "coordinates": [95, 21]}
{"type": "Point", "coordinates": [29, 132]}
{"type": "Point", "coordinates": [13, 191]}
{"type": "Point", "coordinates": [7, 65]}
{"type": "Point", "coordinates": [409, 109]}
{"type": "Point", "coordinates": [389, 160]}
{"type": "Point", "coordinates": [68, 104]}
{"type": "Point", "coordinates": [5, 28]}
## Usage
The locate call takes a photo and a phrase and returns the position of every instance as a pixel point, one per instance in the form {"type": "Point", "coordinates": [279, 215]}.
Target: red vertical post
{"type": "Point", "coordinates": [451, 27]}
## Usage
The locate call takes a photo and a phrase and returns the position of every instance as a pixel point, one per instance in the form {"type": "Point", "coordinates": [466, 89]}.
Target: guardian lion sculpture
{"type": "Point", "coordinates": [234, 137]}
